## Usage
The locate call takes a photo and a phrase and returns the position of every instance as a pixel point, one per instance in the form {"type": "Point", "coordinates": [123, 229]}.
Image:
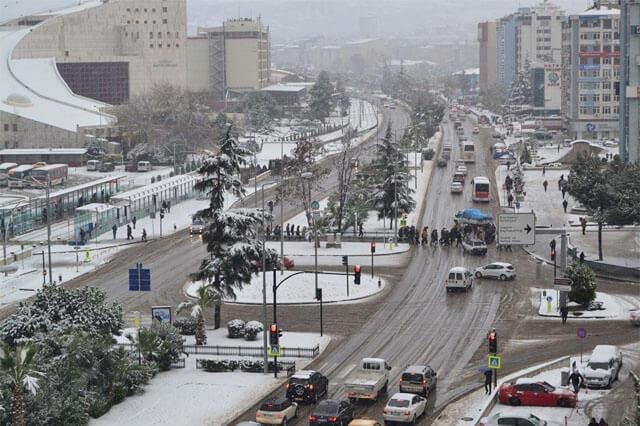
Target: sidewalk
{"type": "Point", "coordinates": [621, 246]}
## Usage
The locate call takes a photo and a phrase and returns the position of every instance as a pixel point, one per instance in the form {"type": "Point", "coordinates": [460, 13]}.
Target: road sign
{"type": "Point", "coordinates": [275, 350]}
{"type": "Point", "coordinates": [139, 278]}
{"type": "Point", "coordinates": [582, 333]}
{"type": "Point", "coordinates": [494, 361]}
{"type": "Point", "coordinates": [516, 229]}
{"type": "Point", "coordinates": [315, 205]}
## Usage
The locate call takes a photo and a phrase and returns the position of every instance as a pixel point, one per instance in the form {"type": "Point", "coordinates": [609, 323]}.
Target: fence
{"type": "Point", "coordinates": [248, 351]}
{"type": "Point", "coordinates": [179, 363]}
{"type": "Point", "coordinates": [253, 367]}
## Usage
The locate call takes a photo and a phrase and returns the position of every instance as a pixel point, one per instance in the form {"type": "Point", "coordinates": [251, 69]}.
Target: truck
{"type": "Point", "coordinates": [369, 381]}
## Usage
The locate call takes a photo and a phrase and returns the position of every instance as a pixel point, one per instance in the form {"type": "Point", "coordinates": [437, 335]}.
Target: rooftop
{"type": "Point", "coordinates": [600, 11]}
{"type": "Point", "coordinates": [27, 151]}
{"type": "Point", "coordinates": [283, 88]}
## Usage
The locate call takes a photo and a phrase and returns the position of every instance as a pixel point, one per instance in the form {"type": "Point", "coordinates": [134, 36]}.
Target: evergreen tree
{"type": "Point", "coordinates": [520, 94]}
{"type": "Point", "coordinates": [231, 236]}
{"type": "Point", "coordinates": [344, 102]}
{"type": "Point", "coordinates": [321, 97]}
{"type": "Point", "coordinates": [392, 181]}
{"type": "Point", "coordinates": [583, 284]}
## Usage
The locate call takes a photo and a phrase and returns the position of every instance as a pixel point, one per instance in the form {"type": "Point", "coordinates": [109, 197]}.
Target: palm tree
{"type": "Point", "coordinates": [206, 297]}
{"type": "Point", "coordinates": [18, 366]}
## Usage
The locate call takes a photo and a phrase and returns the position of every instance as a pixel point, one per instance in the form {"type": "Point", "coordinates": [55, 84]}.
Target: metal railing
{"type": "Point", "coordinates": [247, 351]}
{"type": "Point", "coordinates": [283, 366]}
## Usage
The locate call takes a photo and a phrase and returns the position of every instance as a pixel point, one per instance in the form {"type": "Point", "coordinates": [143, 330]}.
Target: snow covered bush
{"type": "Point", "coordinates": [235, 329]}
{"type": "Point", "coordinates": [218, 366]}
{"type": "Point", "coordinates": [161, 343]}
{"type": "Point", "coordinates": [58, 309]}
{"type": "Point", "coordinates": [186, 325]}
{"type": "Point", "coordinates": [252, 329]}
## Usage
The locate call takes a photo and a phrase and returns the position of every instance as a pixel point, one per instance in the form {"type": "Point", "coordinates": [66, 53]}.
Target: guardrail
{"type": "Point", "coordinates": [247, 351]}
{"type": "Point", "coordinates": [248, 367]}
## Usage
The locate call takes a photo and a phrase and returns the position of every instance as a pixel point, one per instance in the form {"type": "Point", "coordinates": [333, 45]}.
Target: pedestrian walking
{"type": "Point", "coordinates": [544, 169]}
{"type": "Point", "coordinates": [583, 224]}
{"type": "Point", "coordinates": [576, 380]}
{"type": "Point", "coordinates": [83, 235]}
{"type": "Point", "coordinates": [545, 184]}
{"type": "Point", "coordinates": [488, 376]}
{"type": "Point", "coordinates": [288, 231]}
{"type": "Point", "coordinates": [134, 222]}
{"type": "Point", "coordinates": [144, 234]}
{"type": "Point", "coordinates": [129, 233]}
{"type": "Point", "coordinates": [558, 146]}
{"type": "Point", "coordinates": [593, 422]}
{"type": "Point", "coordinates": [298, 232]}
{"type": "Point", "coordinates": [169, 206]}
{"type": "Point", "coordinates": [564, 313]}
{"type": "Point", "coordinates": [360, 230]}
{"type": "Point", "coordinates": [581, 257]}
{"type": "Point", "coordinates": [508, 165]}
{"type": "Point", "coordinates": [564, 205]}
{"type": "Point", "coordinates": [510, 199]}
{"type": "Point", "coordinates": [564, 191]}
{"type": "Point", "coordinates": [114, 229]}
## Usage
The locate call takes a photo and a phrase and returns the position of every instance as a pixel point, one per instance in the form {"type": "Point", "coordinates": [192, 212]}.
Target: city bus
{"type": "Point", "coordinates": [481, 189]}
{"type": "Point", "coordinates": [18, 175]}
{"type": "Point", "coordinates": [56, 174]}
{"type": "Point", "coordinates": [4, 172]}
{"type": "Point", "coordinates": [468, 153]}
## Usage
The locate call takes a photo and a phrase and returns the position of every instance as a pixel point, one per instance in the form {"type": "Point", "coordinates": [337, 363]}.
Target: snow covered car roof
{"type": "Point", "coordinates": [303, 374]}
{"type": "Point", "coordinates": [402, 396]}
{"type": "Point", "coordinates": [527, 380]}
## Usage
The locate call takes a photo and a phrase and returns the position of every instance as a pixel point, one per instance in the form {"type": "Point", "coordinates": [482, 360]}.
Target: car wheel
{"type": "Point", "coordinates": [413, 421]}
{"type": "Point", "coordinates": [609, 384]}
{"type": "Point", "coordinates": [284, 421]}
{"type": "Point", "coordinates": [384, 388]}
{"type": "Point", "coordinates": [503, 277]}
{"type": "Point", "coordinates": [478, 274]}
{"type": "Point", "coordinates": [514, 401]}
{"type": "Point", "coordinates": [295, 415]}
{"type": "Point", "coordinates": [563, 403]}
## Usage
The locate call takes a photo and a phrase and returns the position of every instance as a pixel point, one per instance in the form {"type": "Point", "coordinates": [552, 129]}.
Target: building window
{"type": "Point", "coordinates": [6, 127]}
{"type": "Point", "coordinates": [151, 46]}
{"type": "Point", "coordinates": [137, 22]}
{"type": "Point", "coordinates": [154, 22]}
{"type": "Point", "coordinates": [164, 9]}
{"type": "Point", "coordinates": [606, 98]}
{"type": "Point", "coordinates": [168, 34]}
{"type": "Point", "coordinates": [151, 35]}
{"type": "Point", "coordinates": [145, 21]}
{"type": "Point", "coordinates": [14, 127]}
{"type": "Point", "coordinates": [164, 21]}
{"type": "Point", "coordinates": [177, 36]}
{"type": "Point", "coordinates": [137, 10]}
{"type": "Point", "coordinates": [159, 34]}
{"type": "Point", "coordinates": [128, 22]}
{"type": "Point", "coordinates": [177, 45]}
{"type": "Point", "coordinates": [66, 53]}
{"type": "Point", "coordinates": [128, 9]}
{"type": "Point", "coordinates": [606, 110]}
{"type": "Point", "coordinates": [145, 9]}
{"type": "Point", "coordinates": [153, 10]}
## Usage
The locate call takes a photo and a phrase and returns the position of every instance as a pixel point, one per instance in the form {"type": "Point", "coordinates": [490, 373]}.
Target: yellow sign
{"type": "Point", "coordinates": [275, 350]}
{"type": "Point", "coordinates": [137, 321]}
{"type": "Point", "coordinates": [494, 362]}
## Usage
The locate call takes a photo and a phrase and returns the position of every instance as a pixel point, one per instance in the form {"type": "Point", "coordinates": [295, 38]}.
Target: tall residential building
{"type": "Point", "coordinates": [488, 54]}
{"type": "Point", "coordinates": [111, 50]}
{"type": "Point", "coordinates": [591, 72]}
{"type": "Point", "coordinates": [630, 80]}
{"type": "Point", "coordinates": [538, 35]}
{"type": "Point", "coordinates": [232, 58]}
{"type": "Point", "coordinates": [506, 50]}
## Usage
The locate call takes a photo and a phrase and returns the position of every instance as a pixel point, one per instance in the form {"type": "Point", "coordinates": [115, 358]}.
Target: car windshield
{"type": "Point", "coordinates": [398, 403]}
{"type": "Point", "coordinates": [327, 408]}
{"type": "Point", "coordinates": [547, 387]}
{"type": "Point", "coordinates": [271, 406]}
{"type": "Point", "coordinates": [298, 381]}
{"type": "Point", "coordinates": [510, 267]}
{"type": "Point", "coordinates": [599, 365]}
{"type": "Point", "coordinates": [412, 377]}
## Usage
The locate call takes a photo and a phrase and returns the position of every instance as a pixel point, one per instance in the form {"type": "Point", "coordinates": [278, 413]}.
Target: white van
{"type": "Point", "coordinates": [144, 166]}
{"type": "Point", "coordinates": [603, 366]}
{"type": "Point", "coordinates": [459, 278]}
{"type": "Point", "coordinates": [93, 165]}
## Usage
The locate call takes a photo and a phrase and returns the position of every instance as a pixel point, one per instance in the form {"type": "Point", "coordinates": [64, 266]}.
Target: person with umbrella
{"type": "Point", "coordinates": [488, 376]}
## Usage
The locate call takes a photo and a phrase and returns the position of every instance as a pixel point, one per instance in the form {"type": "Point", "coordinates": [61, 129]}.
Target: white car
{"type": "Point", "coordinates": [456, 187]}
{"type": "Point", "coordinates": [197, 226]}
{"type": "Point", "coordinates": [500, 270]}
{"type": "Point", "coordinates": [462, 169]}
{"type": "Point", "coordinates": [278, 412]}
{"type": "Point", "coordinates": [506, 419]}
{"type": "Point", "coordinates": [404, 408]}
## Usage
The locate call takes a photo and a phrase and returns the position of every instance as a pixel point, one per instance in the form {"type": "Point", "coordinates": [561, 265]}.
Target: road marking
{"type": "Point", "coordinates": [346, 370]}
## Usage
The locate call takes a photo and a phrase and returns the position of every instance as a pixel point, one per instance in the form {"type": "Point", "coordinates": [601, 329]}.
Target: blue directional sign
{"type": "Point", "coordinates": [139, 278]}
{"type": "Point", "coordinates": [494, 361]}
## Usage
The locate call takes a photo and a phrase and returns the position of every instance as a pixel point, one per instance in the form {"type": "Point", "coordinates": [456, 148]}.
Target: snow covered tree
{"type": "Point", "coordinates": [206, 298]}
{"type": "Point", "coordinates": [520, 94]}
{"type": "Point", "coordinates": [161, 343]}
{"type": "Point", "coordinates": [297, 190]}
{"type": "Point", "coordinates": [391, 188]}
{"type": "Point", "coordinates": [345, 164]}
{"type": "Point", "coordinates": [625, 182]}
{"type": "Point", "coordinates": [583, 284]}
{"type": "Point", "coordinates": [231, 236]}
{"type": "Point", "coordinates": [261, 109]}
{"type": "Point", "coordinates": [18, 367]}
{"type": "Point", "coordinates": [344, 102]}
{"type": "Point", "coordinates": [321, 97]}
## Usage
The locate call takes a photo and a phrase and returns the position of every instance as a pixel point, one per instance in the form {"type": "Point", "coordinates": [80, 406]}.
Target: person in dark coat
{"type": "Point", "coordinates": [593, 422]}
{"type": "Point", "coordinates": [360, 230]}
{"type": "Point", "coordinates": [129, 233]}
{"type": "Point", "coordinates": [602, 422]}
{"type": "Point", "coordinates": [488, 376]}
{"type": "Point", "coordinates": [288, 231]}
{"type": "Point", "coordinates": [581, 257]}
{"type": "Point", "coordinates": [83, 235]}
{"type": "Point", "coordinates": [510, 199]}
{"type": "Point", "coordinates": [114, 229]}
{"type": "Point", "coordinates": [134, 222]}
{"type": "Point", "coordinates": [144, 234]}
{"type": "Point", "coordinates": [544, 169]}
{"type": "Point", "coordinates": [298, 232]}
{"type": "Point", "coordinates": [564, 313]}
{"type": "Point", "coordinates": [545, 184]}
{"type": "Point", "coordinates": [576, 380]}
{"type": "Point", "coordinates": [564, 205]}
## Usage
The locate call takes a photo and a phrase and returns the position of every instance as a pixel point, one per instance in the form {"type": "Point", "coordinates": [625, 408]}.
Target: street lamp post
{"type": "Point", "coordinates": [281, 206]}
{"type": "Point", "coordinates": [308, 176]}
{"type": "Point", "coordinates": [48, 195]}
{"type": "Point", "coordinates": [264, 284]}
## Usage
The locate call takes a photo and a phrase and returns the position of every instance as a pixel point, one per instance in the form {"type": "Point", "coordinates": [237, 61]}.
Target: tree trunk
{"type": "Point", "coordinates": [599, 240]}
{"type": "Point", "coordinates": [201, 334]}
{"type": "Point", "coordinates": [17, 416]}
{"type": "Point", "coordinates": [217, 308]}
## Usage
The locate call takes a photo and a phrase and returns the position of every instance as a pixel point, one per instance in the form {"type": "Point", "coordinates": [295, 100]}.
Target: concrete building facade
{"type": "Point", "coordinates": [233, 58]}
{"type": "Point", "coordinates": [506, 50]}
{"type": "Point", "coordinates": [591, 73]}
{"type": "Point", "coordinates": [488, 54]}
{"type": "Point", "coordinates": [538, 35]}
{"type": "Point", "coordinates": [630, 80]}
{"type": "Point", "coordinates": [115, 50]}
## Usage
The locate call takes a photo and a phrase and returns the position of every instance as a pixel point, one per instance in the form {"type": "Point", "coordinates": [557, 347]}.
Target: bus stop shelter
{"type": "Point", "coordinates": [94, 219]}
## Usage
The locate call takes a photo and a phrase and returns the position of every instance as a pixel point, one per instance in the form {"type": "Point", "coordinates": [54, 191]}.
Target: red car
{"type": "Point", "coordinates": [534, 392]}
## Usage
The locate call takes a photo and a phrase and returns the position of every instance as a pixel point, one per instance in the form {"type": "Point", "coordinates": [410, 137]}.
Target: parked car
{"type": "Point", "coordinates": [474, 247]}
{"type": "Point", "coordinates": [332, 411]}
{"type": "Point", "coordinates": [475, 130]}
{"type": "Point", "coordinates": [528, 391]}
{"type": "Point", "coordinates": [634, 317]}
{"type": "Point", "coordinates": [307, 386]}
{"type": "Point", "coordinates": [404, 408]}
{"type": "Point", "coordinates": [107, 167]}
{"type": "Point", "coordinates": [442, 162]}
{"type": "Point", "coordinates": [457, 187]}
{"type": "Point", "coordinates": [461, 169]}
{"type": "Point", "coordinates": [458, 177]}
{"type": "Point", "coordinates": [500, 270]}
{"type": "Point", "coordinates": [458, 278]}
{"type": "Point", "coordinates": [364, 421]}
{"type": "Point", "coordinates": [368, 381]}
{"type": "Point", "coordinates": [507, 419]}
{"type": "Point", "coordinates": [197, 226]}
{"type": "Point", "coordinates": [279, 412]}
{"type": "Point", "coordinates": [603, 366]}
{"type": "Point", "coordinates": [420, 379]}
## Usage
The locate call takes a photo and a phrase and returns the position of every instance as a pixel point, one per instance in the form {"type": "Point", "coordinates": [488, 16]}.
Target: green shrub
{"type": "Point", "coordinates": [186, 325]}
{"type": "Point", "coordinates": [583, 284]}
{"type": "Point", "coordinates": [218, 366]}
{"type": "Point", "coordinates": [235, 329]}
{"type": "Point", "coordinates": [252, 329]}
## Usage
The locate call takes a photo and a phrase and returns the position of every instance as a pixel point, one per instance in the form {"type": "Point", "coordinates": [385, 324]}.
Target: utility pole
{"type": "Point", "coordinates": [48, 194]}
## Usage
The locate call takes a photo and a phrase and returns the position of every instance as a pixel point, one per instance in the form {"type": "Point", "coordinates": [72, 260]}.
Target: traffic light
{"type": "Point", "coordinates": [493, 342]}
{"type": "Point", "coordinates": [274, 335]}
{"type": "Point", "coordinates": [318, 294]}
{"type": "Point", "coordinates": [552, 244]}
{"type": "Point", "coordinates": [345, 260]}
{"type": "Point", "coordinates": [161, 213]}
{"type": "Point", "coordinates": [356, 274]}
{"type": "Point", "coordinates": [553, 254]}
{"type": "Point", "coordinates": [270, 204]}
{"type": "Point", "coordinates": [44, 215]}
{"type": "Point", "coordinates": [373, 247]}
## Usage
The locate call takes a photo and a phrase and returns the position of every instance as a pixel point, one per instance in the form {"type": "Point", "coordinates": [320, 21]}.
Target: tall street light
{"type": "Point", "coordinates": [264, 283]}
{"type": "Point", "coordinates": [308, 176]}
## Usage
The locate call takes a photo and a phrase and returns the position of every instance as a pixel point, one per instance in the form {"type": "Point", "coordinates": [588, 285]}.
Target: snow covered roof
{"type": "Point", "coordinates": [96, 207]}
{"type": "Point", "coordinates": [469, 71]}
{"type": "Point", "coordinates": [84, 185]}
{"type": "Point", "coordinates": [363, 41]}
{"type": "Point", "coordinates": [283, 88]}
{"type": "Point", "coordinates": [303, 374]}
{"type": "Point", "coordinates": [27, 151]}
{"type": "Point", "coordinates": [33, 89]}
{"type": "Point", "coordinates": [154, 188]}
{"type": "Point", "coordinates": [600, 11]}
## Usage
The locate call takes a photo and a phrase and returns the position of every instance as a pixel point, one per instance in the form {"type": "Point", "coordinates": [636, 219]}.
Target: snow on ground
{"type": "Point", "coordinates": [614, 307]}
{"type": "Point", "coordinates": [300, 288]}
{"type": "Point", "coordinates": [189, 396]}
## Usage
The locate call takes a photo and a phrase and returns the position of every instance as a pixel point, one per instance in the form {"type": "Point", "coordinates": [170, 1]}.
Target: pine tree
{"type": "Point", "coordinates": [344, 102]}
{"type": "Point", "coordinates": [392, 181]}
{"type": "Point", "coordinates": [583, 284]}
{"type": "Point", "coordinates": [520, 95]}
{"type": "Point", "coordinates": [321, 97]}
{"type": "Point", "coordinates": [231, 236]}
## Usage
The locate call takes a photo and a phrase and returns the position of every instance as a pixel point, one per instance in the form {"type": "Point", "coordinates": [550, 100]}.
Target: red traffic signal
{"type": "Point", "coordinates": [357, 271]}
{"type": "Point", "coordinates": [274, 335]}
{"type": "Point", "coordinates": [373, 246]}
{"type": "Point", "coordinates": [493, 342]}
{"type": "Point", "coordinates": [553, 254]}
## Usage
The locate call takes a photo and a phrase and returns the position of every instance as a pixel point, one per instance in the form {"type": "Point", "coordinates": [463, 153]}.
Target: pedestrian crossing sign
{"type": "Point", "coordinates": [494, 362]}
{"type": "Point", "coordinates": [275, 350]}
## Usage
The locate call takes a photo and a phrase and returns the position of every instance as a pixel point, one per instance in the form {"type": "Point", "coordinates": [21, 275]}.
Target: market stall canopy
{"type": "Point", "coordinates": [474, 216]}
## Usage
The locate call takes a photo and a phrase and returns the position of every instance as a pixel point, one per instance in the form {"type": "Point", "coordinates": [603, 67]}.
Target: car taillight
{"type": "Point", "coordinates": [385, 411]}
{"type": "Point", "coordinates": [288, 386]}
{"type": "Point", "coordinates": [333, 419]}
{"type": "Point", "coordinates": [312, 418]}
{"type": "Point", "coordinates": [310, 387]}
{"type": "Point", "coordinates": [407, 412]}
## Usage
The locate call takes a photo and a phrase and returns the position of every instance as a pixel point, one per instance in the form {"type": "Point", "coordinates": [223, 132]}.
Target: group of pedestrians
{"type": "Point", "coordinates": [291, 232]}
